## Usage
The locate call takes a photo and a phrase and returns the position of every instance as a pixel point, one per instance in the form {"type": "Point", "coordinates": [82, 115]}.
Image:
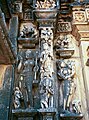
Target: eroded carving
{"type": "Point", "coordinates": [66, 72]}
{"type": "Point", "coordinates": [46, 92]}
{"type": "Point", "coordinates": [29, 32]}
{"type": "Point", "coordinates": [76, 106]}
{"type": "Point", "coordinates": [27, 71]}
{"type": "Point", "coordinates": [17, 7]}
{"type": "Point", "coordinates": [64, 27]}
{"type": "Point", "coordinates": [64, 46]}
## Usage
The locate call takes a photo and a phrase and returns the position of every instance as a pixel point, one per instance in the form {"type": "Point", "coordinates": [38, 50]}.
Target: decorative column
{"type": "Point", "coordinates": [46, 14]}
{"type": "Point", "coordinates": [46, 74]}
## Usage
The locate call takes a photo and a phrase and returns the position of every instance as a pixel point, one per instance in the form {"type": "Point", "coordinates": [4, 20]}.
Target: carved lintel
{"type": "Point", "coordinates": [27, 40]}
{"type": "Point", "coordinates": [84, 34]}
{"type": "Point", "coordinates": [66, 53]}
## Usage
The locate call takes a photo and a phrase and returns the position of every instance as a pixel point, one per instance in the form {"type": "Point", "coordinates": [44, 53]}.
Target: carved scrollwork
{"type": "Point", "coordinates": [46, 68]}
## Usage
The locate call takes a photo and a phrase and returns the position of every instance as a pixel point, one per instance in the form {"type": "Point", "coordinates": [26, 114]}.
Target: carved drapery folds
{"type": "Point", "coordinates": [46, 69]}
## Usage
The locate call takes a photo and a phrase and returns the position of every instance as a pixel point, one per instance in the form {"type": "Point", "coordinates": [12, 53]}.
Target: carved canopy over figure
{"type": "Point", "coordinates": [64, 46]}
{"type": "Point", "coordinates": [46, 92]}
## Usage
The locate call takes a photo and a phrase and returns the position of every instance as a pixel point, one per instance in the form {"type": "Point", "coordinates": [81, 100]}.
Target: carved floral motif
{"type": "Point", "coordinates": [79, 16]}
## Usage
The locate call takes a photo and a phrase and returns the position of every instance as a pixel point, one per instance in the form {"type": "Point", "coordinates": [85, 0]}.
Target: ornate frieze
{"type": "Point", "coordinates": [64, 27]}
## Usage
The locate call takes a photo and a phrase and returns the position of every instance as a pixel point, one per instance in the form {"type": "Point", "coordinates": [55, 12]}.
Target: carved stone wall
{"type": "Point", "coordinates": [49, 77]}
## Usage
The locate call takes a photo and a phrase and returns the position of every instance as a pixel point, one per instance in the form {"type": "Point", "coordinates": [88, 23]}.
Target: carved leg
{"type": "Point", "coordinates": [29, 91]}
